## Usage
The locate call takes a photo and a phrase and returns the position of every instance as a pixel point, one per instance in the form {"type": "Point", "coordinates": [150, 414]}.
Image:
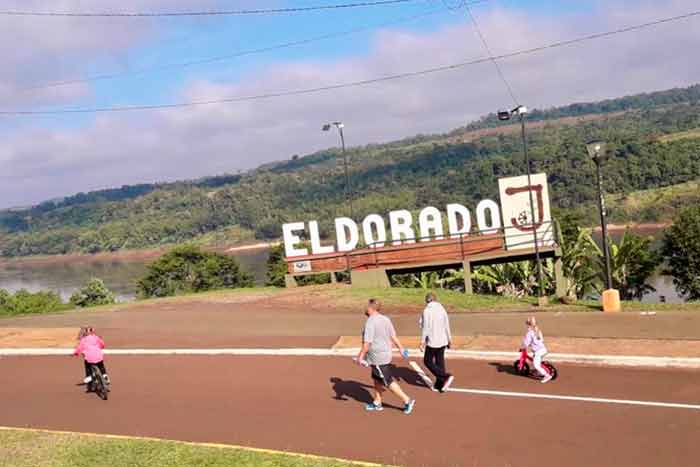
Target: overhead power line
{"type": "Point", "coordinates": [490, 54]}
{"type": "Point", "coordinates": [351, 84]}
{"type": "Point", "coordinates": [156, 14]}
{"type": "Point", "coordinates": [241, 53]}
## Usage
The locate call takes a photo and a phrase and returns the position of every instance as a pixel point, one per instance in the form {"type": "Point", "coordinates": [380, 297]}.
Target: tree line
{"type": "Point", "coordinates": [407, 174]}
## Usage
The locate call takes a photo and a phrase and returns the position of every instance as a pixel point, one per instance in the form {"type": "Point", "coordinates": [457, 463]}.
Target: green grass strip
{"type": "Point", "coordinates": [39, 448]}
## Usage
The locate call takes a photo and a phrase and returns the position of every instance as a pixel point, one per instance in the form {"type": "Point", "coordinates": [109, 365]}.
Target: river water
{"type": "Point", "coordinates": [64, 277]}
{"type": "Point", "coordinates": [120, 276]}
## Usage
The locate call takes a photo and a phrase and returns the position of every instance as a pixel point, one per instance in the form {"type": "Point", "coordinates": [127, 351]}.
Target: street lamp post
{"type": "Point", "coordinates": [611, 297]}
{"type": "Point", "coordinates": [348, 192]}
{"type": "Point", "coordinates": [521, 112]}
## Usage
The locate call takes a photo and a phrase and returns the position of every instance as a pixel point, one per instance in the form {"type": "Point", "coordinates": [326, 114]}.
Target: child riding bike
{"type": "Point", "coordinates": [90, 345]}
{"type": "Point", "coordinates": [535, 341]}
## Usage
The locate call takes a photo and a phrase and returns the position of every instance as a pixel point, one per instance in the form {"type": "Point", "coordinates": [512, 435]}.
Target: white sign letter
{"type": "Point", "coordinates": [400, 225]}
{"type": "Point", "coordinates": [454, 212]}
{"type": "Point", "coordinates": [430, 220]}
{"type": "Point", "coordinates": [344, 228]}
{"type": "Point", "coordinates": [492, 208]}
{"type": "Point", "coordinates": [316, 247]}
{"type": "Point", "coordinates": [370, 239]}
{"type": "Point", "coordinates": [291, 240]}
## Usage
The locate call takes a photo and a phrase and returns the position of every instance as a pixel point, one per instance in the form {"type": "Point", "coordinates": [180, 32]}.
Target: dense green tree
{"type": "Point", "coordinates": [187, 268]}
{"type": "Point", "coordinates": [682, 252]}
{"type": "Point", "coordinates": [94, 293]}
{"type": "Point", "coordinates": [276, 267]}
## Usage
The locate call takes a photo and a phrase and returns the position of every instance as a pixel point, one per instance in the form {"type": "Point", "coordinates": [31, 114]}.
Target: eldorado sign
{"type": "Point", "coordinates": [514, 213]}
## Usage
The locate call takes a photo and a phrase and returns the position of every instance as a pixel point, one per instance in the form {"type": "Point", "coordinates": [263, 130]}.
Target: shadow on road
{"type": "Point", "coordinates": [504, 368]}
{"type": "Point", "coordinates": [408, 376]}
{"type": "Point", "coordinates": [352, 389]}
{"type": "Point", "coordinates": [345, 389]}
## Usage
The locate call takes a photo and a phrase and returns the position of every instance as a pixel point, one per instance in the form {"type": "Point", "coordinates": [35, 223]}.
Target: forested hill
{"type": "Point", "coordinates": [655, 137]}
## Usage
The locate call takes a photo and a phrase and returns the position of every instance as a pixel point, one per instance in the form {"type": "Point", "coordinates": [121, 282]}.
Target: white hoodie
{"type": "Point", "coordinates": [435, 326]}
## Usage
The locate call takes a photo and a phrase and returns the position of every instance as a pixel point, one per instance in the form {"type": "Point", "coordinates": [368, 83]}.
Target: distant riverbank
{"type": "Point", "coordinates": [127, 256]}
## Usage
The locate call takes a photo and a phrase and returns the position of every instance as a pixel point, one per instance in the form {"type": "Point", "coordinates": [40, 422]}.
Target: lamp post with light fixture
{"type": "Point", "coordinates": [596, 149]}
{"type": "Point", "coordinates": [611, 297]}
{"type": "Point", "coordinates": [348, 192]}
{"type": "Point", "coordinates": [521, 112]}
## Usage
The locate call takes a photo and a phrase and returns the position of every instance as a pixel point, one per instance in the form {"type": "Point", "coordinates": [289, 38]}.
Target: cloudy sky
{"type": "Point", "coordinates": [52, 63]}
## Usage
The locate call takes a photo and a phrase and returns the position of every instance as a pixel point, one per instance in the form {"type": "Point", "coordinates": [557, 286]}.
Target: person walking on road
{"type": "Point", "coordinates": [377, 339]}
{"type": "Point", "coordinates": [435, 338]}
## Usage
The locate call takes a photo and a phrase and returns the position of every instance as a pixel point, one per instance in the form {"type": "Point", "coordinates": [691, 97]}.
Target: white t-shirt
{"type": "Point", "coordinates": [534, 340]}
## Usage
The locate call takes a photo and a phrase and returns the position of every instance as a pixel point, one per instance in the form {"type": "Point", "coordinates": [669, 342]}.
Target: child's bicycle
{"type": "Point", "coordinates": [523, 368]}
{"type": "Point", "coordinates": [98, 384]}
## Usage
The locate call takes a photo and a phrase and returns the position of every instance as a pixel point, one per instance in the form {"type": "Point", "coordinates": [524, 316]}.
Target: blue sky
{"type": "Point", "coordinates": [182, 39]}
{"type": "Point", "coordinates": [51, 156]}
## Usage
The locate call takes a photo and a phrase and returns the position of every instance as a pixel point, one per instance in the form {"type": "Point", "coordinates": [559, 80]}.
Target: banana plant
{"type": "Point", "coordinates": [632, 263]}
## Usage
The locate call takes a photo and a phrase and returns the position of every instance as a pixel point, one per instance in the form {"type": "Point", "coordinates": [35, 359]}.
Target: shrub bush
{"type": "Point", "coordinates": [94, 293]}
{"type": "Point", "coordinates": [187, 269]}
{"type": "Point", "coordinates": [24, 302]}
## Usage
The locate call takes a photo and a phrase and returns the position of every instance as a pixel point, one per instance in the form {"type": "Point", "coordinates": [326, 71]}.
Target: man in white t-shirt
{"type": "Point", "coordinates": [435, 339]}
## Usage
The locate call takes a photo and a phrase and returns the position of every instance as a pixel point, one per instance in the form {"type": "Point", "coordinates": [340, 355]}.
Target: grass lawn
{"type": "Point", "coordinates": [415, 297]}
{"type": "Point", "coordinates": [458, 301]}
{"type": "Point", "coordinates": [19, 448]}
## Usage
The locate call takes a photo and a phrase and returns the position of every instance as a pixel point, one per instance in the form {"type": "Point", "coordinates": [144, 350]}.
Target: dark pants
{"type": "Point", "coordinates": [100, 365]}
{"type": "Point", "coordinates": [434, 359]}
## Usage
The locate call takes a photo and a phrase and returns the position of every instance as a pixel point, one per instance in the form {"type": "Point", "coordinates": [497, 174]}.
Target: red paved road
{"type": "Point", "coordinates": [289, 403]}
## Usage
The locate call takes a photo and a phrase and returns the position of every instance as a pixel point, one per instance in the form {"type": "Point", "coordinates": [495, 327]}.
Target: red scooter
{"type": "Point", "coordinates": [523, 368]}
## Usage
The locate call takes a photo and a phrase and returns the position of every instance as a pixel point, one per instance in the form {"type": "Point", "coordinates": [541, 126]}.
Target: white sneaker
{"type": "Point", "coordinates": [87, 379]}
{"type": "Point", "coordinates": [546, 379]}
{"type": "Point", "coordinates": [448, 383]}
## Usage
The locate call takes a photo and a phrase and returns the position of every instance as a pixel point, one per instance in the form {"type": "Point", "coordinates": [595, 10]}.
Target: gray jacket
{"type": "Point", "coordinates": [435, 326]}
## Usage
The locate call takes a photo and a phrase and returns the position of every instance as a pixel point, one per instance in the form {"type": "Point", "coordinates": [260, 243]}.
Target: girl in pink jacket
{"type": "Point", "coordinates": [90, 345]}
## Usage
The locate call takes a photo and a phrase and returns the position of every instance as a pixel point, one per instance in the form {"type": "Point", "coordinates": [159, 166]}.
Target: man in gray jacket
{"type": "Point", "coordinates": [435, 338]}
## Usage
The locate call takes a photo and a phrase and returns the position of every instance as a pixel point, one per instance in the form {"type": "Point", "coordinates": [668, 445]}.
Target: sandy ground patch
{"type": "Point", "coordinates": [13, 338]}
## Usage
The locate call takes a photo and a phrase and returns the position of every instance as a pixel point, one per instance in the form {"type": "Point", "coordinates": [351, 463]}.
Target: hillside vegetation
{"type": "Point", "coordinates": [460, 166]}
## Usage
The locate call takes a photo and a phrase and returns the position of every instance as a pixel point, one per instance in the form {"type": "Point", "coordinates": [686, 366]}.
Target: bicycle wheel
{"type": "Point", "coordinates": [100, 383]}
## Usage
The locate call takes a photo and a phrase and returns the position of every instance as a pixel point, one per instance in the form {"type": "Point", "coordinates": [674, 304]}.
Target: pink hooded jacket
{"type": "Point", "coordinates": [91, 347]}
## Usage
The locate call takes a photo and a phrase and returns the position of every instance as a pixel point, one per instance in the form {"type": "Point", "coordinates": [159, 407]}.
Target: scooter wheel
{"type": "Point", "coordinates": [524, 371]}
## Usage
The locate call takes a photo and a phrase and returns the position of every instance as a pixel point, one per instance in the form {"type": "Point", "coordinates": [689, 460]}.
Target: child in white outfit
{"type": "Point", "coordinates": [535, 341]}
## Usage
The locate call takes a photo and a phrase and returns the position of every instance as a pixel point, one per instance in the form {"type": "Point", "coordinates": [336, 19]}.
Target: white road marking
{"type": "Point", "coordinates": [498, 356]}
{"type": "Point", "coordinates": [575, 398]}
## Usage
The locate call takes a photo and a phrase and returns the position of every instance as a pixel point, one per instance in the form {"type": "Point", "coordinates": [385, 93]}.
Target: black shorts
{"type": "Point", "coordinates": [383, 374]}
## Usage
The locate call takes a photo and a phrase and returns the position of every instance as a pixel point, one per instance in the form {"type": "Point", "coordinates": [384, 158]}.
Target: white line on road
{"type": "Point", "coordinates": [606, 360]}
{"type": "Point", "coordinates": [575, 398]}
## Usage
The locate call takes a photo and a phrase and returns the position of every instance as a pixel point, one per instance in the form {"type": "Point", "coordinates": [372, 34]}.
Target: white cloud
{"type": "Point", "coordinates": [115, 149]}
